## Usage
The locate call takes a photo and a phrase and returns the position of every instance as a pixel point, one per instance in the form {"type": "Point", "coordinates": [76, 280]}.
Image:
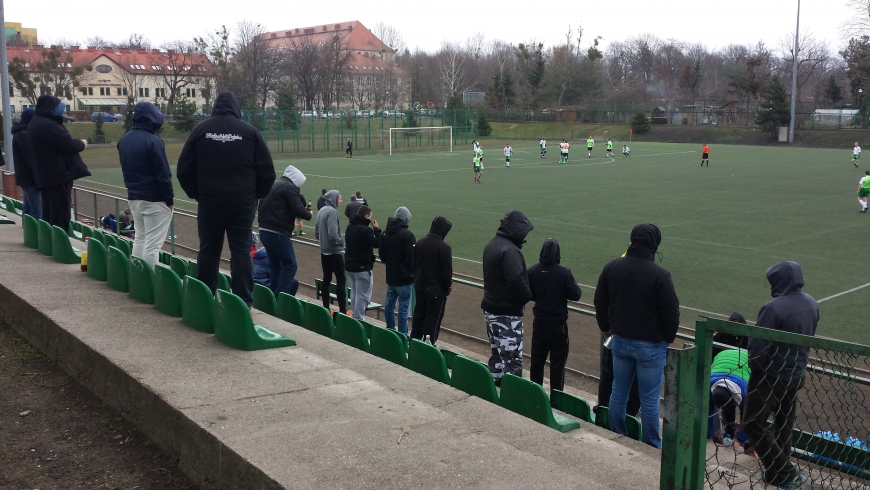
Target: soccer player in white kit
{"type": "Point", "coordinates": [508, 151]}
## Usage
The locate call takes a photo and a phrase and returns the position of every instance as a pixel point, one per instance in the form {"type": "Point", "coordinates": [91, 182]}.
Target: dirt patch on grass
{"type": "Point", "coordinates": [56, 434]}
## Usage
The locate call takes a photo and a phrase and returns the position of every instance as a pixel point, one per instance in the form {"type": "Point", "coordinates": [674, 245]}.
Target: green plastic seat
{"type": "Point", "coordinates": [264, 300]}
{"type": "Point", "coordinates": [98, 235]}
{"type": "Point", "coordinates": [44, 237]}
{"type": "Point", "coordinates": [141, 280]}
{"type": "Point", "coordinates": [191, 267]}
{"type": "Point", "coordinates": [388, 345]}
{"type": "Point", "coordinates": [116, 270]}
{"type": "Point", "coordinates": [31, 231]}
{"type": "Point", "coordinates": [290, 309]}
{"type": "Point", "coordinates": [448, 357]}
{"type": "Point", "coordinates": [318, 320]}
{"type": "Point", "coordinates": [474, 378]}
{"type": "Point", "coordinates": [98, 258]}
{"type": "Point", "coordinates": [572, 405]}
{"type": "Point", "coordinates": [125, 246]}
{"type": "Point", "coordinates": [224, 282]}
{"type": "Point", "coordinates": [350, 331]}
{"type": "Point", "coordinates": [166, 259]}
{"type": "Point", "coordinates": [111, 241]}
{"type": "Point", "coordinates": [602, 417]}
{"type": "Point", "coordinates": [61, 250]}
{"type": "Point", "coordinates": [427, 360]}
{"type": "Point", "coordinates": [178, 265]}
{"type": "Point", "coordinates": [632, 423]}
{"type": "Point", "coordinates": [74, 231]}
{"type": "Point", "coordinates": [197, 305]}
{"type": "Point", "coordinates": [233, 326]}
{"type": "Point", "coordinates": [168, 291]}
{"type": "Point", "coordinates": [368, 326]}
{"type": "Point", "coordinates": [87, 232]}
{"type": "Point", "coordinates": [529, 399]}
{"type": "Point", "coordinates": [10, 206]}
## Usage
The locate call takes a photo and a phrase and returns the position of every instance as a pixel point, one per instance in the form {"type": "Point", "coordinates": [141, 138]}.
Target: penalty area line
{"type": "Point", "coordinates": [844, 292]}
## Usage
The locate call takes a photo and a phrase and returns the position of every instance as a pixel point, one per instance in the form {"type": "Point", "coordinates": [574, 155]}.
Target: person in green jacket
{"type": "Point", "coordinates": [589, 144]}
{"type": "Point", "coordinates": [729, 378]}
{"type": "Point", "coordinates": [609, 148]}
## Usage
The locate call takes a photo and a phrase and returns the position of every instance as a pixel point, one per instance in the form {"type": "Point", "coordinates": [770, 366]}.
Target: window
{"type": "Point", "coordinates": [87, 91]}
{"type": "Point", "coordinates": [124, 91]}
{"type": "Point", "coordinates": [191, 92]}
{"type": "Point", "coordinates": [143, 92]}
{"type": "Point", "coordinates": [103, 68]}
{"type": "Point", "coordinates": [155, 68]}
{"type": "Point", "coordinates": [368, 80]}
{"type": "Point", "coordinates": [160, 92]}
{"type": "Point", "coordinates": [11, 92]}
{"type": "Point", "coordinates": [105, 91]}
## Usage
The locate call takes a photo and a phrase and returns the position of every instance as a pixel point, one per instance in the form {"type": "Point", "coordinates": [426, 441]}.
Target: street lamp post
{"type": "Point", "coordinates": [417, 86]}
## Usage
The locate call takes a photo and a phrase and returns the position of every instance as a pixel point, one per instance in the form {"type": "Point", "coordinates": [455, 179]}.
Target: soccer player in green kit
{"type": "Point", "coordinates": [589, 144]}
{"type": "Point", "coordinates": [609, 148]}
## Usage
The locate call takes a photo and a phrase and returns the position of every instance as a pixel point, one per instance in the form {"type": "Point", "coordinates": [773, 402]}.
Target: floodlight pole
{"type": "Point", "coordinates": [793, 75]}
{"type": "Point", "coordinates": [4, 86]}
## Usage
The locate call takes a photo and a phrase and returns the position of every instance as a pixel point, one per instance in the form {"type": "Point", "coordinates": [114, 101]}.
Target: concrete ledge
{"type": "Point", "coordinates": [315, 415]}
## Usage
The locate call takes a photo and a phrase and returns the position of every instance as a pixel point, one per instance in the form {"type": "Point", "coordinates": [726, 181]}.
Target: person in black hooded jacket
{"type": "Point", "coordinates": [277, 215]}
{"type": "Point", "coordinates": [635, 301]}
{"type": "Point", "coordinates": [56, 159]}
{"type": "Point", "coordinates": [397, 253]}
{"type": "Point", "coordinates": [552, 286]}
{"type": "Point", "coordinates": [31, 197]}
{"type": "Point", "coordinates": [505, 294]}
{"type": "Point", "coordinates": [359, 258]}
{"type": "Point", "coordinates": [226, 167]}
{"type": "Point", "coordinates": [433, 269]}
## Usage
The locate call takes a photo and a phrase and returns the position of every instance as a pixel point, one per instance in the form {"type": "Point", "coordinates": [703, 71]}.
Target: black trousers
{"type": "Point", "coordinates": [56, 205]}
{"type": "Point", "coordinates": [768, 396]}
{"type": "Point", "coordinates": [213, 222]}
{"type": "Point", "coordinates": [349, 151]}
{"type": "Point", "coordinates": [428, 312]}
{"type": "Point", "coordinates": [549, 339]}
{"type": "Point", "coordinates": [605, 386]}
{"type": "Point", "coordinates": [333, 264]}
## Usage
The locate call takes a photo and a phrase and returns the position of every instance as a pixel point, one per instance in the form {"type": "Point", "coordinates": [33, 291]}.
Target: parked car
{"type": "Point", "coordinates": [106, 116]}
{"type": "Point", "coordinates": [68, 119]}
{"type": "Point", "coordinates": [309, 114]}
{"type": "Point", "coordinates": [330, 115]}
{"type": "Point", "coordinates": [364, 114]}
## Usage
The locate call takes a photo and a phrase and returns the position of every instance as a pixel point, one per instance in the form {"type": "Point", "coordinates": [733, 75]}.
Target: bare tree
{"type": "Point", "coordinates": [304, 68]}
{"type": "Point", "coordinates": [334, 58]}
{"type": "Point", "coordinates": [451, 68]}
{"type": "Point", "coordinates": [135, 41]}
{"type": "Point", "coordinates": [258, 67]}
{"type": "Point", "coordinates": [390, 36]}
{"type": "Point", "coordinates": [814, 58]}
{"type": "Point", "coordinates": [99, 43]}
{"type": "Point", "coordinates": [859, 23]}
{"type": "Point", "coordinates": [177, 67]}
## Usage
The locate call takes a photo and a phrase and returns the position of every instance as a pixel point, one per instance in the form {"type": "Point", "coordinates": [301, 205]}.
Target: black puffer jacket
{"type": "Point", "coordinates": [552, 285]}
{"type": "Point", "coordinates": [397, 252]}
{"type": "Point", "coordinates": [505, 278]}
{"type": "Point", "coordinates": [21, 151]}
{"type": "Point", "coordinates": [54, 153]}
{"type": "Point", "coordinates": [635, 298]}
{"type": "Point", "coordinates": [433, 258]}
{"type": "Point", "coordinates": [284, 204]}
{"type": "Point", "coordinates": [225, 161]}
{"type": "Point", "coordinates": [360, 242]}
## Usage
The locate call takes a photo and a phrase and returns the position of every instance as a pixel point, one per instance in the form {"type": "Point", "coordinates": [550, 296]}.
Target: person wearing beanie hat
{"type": "Point", "coordinates": [31, 197]}
{"type": "Point", "coordinates": [396, 251]}
{"type": "Point", "coordinates": [278, 212]}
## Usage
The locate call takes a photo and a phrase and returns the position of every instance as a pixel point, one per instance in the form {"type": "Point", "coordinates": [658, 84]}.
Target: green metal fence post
{"type": "Point", "coordinates": [678, 467]}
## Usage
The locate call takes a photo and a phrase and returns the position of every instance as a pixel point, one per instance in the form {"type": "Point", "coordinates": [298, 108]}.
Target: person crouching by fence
{"type": "Point", "coordinates": [433, 270]}
{"type": "Point", "coordinates": [729, 375]}
{"type": "Point", "coordinates": [778, 373]}
{"type": "Point", "coordinates": [552, 286]}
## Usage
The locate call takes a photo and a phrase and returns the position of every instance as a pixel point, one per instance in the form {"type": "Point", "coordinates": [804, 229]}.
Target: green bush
{"type": "Point", "coordinates": [640, 123]}
{"type": "Point", "coordinates": [483, 126]}
{"type": "Point", "coordinates": [183, 114]}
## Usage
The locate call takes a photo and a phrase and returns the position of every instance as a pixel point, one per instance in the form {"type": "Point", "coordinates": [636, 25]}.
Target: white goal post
{"type": "Point", "coordinates": [423, 134]}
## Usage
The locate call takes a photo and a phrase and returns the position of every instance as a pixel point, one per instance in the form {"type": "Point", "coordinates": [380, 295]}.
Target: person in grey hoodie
{"type": "Point", "coordinates": [778, 373]}
{"type": "Point", "coordinates": [328, 231]}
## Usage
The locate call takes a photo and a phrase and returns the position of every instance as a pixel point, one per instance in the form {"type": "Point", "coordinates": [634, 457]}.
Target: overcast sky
{"type": "Point", "coordinates": [426, 24]}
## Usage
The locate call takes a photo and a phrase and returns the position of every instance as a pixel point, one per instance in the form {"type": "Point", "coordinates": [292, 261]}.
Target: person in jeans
{"type": "Point", "coordinates": [433, 271]}
{"type": "Point", "coordinates": [397, 253]}
{"type": "Point", "coordinates": [552, 286]}
{"type": "Point", "coordinates": [635, 301]}
{"type": "Point", "coordinates": [278, 213]}
{"type": "Point", "coordinates": [148, 180]}
{"type": "Point", "coordinates": [778, 373]}
{"type": "Point", "coordinates": [328, 232]}
{"type": "Point", "coordinates": [226, 167]}
{"type": "Point", "coordinates": [359, 259]}
{"type": "Point", "coordinates": [505, 294]}
{"type": "Point", "coordinates": [31, 198]}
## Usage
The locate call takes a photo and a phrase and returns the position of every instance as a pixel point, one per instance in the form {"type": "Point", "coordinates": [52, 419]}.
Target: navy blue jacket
{"type": "Point", "coordinates": [143, 158]}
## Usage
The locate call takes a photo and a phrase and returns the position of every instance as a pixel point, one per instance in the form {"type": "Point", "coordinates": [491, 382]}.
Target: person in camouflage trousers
{"type": "Point", "coordinates": [505, 334]}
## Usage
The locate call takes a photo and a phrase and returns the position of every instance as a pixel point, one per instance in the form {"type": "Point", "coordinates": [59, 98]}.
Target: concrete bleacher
{"type": "Point", "coordinates": [317, 414]}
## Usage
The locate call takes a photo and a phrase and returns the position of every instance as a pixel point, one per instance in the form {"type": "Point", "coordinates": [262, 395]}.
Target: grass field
{"type": "Point", "coordinates": [722, 226]}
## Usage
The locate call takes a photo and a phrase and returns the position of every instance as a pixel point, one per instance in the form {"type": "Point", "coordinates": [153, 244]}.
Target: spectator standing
{"type": "Point", "coordinates": [361, 199]}
{"type": "Point", "coordinates": [778, 373]}
{"type": "Point", "coordinates": [148, 181]}
{"type": "Point", "coordinates": [360, 258]}
{"type": "Point", "coordinates": [505, 294]}
{"type": "Point", "coordinates": [278, 213]}
{"type": "Point", "coordinates": [635, 301]}
{"type": "Point", "coordinates": [321, 201]}
{"type": "Point", "coordinates": [56, 160]}
{"type": "Point", "coordinates": [327, 230]}
{"type": "Point", "coordinates": [351, 208]}
{"type": "Point", "coordinates": [32, 200]}
{"type": "Point", "coordinates": [226, 167]}
{"type": "Point", "coordinates": [433, 271]}
{"type": "Point", "coordinates": [552, 286]}
{"type": "Point", "coordinates": [349, 149]}
{"type": "Point", "coordinates": [397, 253]}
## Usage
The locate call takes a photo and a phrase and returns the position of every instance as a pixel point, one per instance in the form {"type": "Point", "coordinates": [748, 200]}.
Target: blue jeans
{"type": "Point", "coordinates": [403, 295]}
{"type": "Point", "coordinates": [32, 202]}
{"type": "Point", "coordinates": [646, 360]}
{"type": "Point", "coordinates": [282, 262]}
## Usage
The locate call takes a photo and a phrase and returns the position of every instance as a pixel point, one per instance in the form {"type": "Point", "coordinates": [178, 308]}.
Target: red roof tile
{"type": "Point", "coordinates": [356, 36]}
{"type": "Point", "coordinates": [128, 59]}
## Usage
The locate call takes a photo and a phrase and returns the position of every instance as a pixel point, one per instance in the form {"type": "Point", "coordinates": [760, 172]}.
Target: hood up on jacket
{"type": "Point", "coordinates": [226, 105]}
{"type": "Point", "coordinates": [784, 278]}
{"type": "Point", "coordinates": [645, 240]}
{"type": "Point", "coordinates": [332, 198]}
{"type": "Point", "coordinates": [737, 317]}
{"type": "Point", "coordinates": [550, 252]}
{"type": "Point", "coordinates": [403, 216]}
{"type": "Point", "coordinates": [147, 117]}
{"type": "Point", "coordinates": [295, 176]}
{"type": "Point", "coordinates": [440, 227]}
{"type": "Point", "coordinates": [45, 105]}
{"type": "Point", "coordinates": [26, 116]}
{"type": "Point", "coordinates": [515, 227]}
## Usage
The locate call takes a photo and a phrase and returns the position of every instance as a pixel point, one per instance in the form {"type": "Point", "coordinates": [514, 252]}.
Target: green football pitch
{"type": "Point", "coordinates": [722, 226]}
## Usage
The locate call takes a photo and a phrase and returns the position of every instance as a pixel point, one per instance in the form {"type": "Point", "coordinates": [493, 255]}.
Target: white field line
{"type": "Point", "coordinates": [844, 292]}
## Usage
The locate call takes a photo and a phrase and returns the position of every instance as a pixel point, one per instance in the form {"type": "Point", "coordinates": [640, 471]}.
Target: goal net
{"type": "Point", "coordinates": [438, 138]}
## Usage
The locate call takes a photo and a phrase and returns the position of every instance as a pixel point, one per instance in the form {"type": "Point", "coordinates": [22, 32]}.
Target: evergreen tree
{"type": "Point", "coordinates": [833, 92]}
{"type": "Point", "coordinates": [184, 114]}
{"type": "Point", "coordinates": [410, 120]}
{"type": "Point", "coordinates": [483, 126]}
{"type": "Point", "coordinates": [285, 98]}
{"type": "Point", "coordinates": [99, 136]}
{"type": "Point", "coordinates": [128, 114]}
{"type": "Point", "coordinates": [640, 123]}
{"type": "Point", "coordinates": [774, 110]}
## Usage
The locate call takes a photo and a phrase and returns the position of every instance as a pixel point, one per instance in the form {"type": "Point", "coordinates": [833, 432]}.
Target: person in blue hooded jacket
{"type": "Point", "coordinates": [148, 180]}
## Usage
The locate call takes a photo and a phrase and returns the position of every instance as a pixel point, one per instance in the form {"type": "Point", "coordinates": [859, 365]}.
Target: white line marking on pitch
{"type": "Point", "coordinates": [844, 292]}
